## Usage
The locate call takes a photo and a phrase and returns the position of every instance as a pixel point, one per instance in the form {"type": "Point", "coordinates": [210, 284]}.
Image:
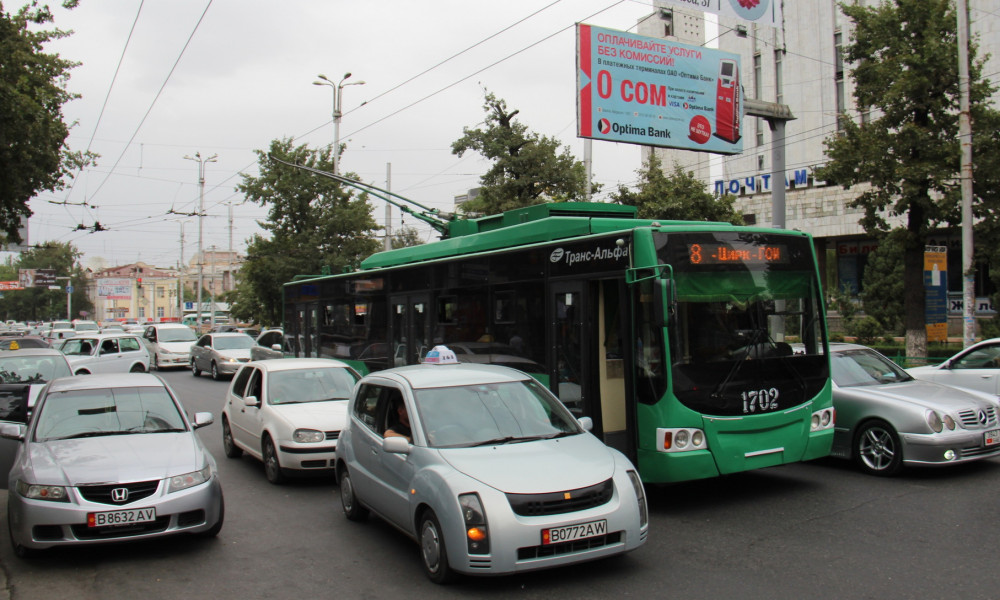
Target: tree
{"type": "Point", "coordinates": [680, 196]}
{"type": "Point", "coordinates": [528, 168]}
{"type": "Point", "coordinates": [905, 68]}
{"type": "Point", "coordinates": [406, 236]}
{"type": "Point", "coordinates": [38, 303]}
{"type": "Point", "coordinates": [33, 148]}
{"type": "Point", "coordinates": [882, 292]}
{"type": "Point", "coordinates": [314, 225]}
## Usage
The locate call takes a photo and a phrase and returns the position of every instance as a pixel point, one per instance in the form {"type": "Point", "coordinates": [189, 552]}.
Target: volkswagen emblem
{"type": "Point", "coordinates": [982, 417]}
{"type": "Point", "coordinates": [119, 494]}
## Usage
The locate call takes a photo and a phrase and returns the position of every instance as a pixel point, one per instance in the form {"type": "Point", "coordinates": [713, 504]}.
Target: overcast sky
{"type": "Point", "coordinates": [226, 77]}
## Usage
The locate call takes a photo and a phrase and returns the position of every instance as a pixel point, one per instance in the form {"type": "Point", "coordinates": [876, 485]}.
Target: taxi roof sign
{"type": "Point", "coordinates": [441, 355]}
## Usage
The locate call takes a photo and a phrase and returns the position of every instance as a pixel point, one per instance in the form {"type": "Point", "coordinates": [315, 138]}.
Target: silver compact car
{"type": "Point", "coordinates": [486, 470]}
{"type": "Point", "coordinates": [109, 458]}
{"type": "Point", "coordinates": [288, 413]}
{"type": "Point", "coordinates": [886, 419]}
{"type": "Point", "coordinates": [221, 354]}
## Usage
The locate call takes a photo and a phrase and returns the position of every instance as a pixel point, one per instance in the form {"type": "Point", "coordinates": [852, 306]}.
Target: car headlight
{"type": "Point", "coordinates": [53, 493]}
{"type": "Point", "coordinates": [183, 482]}
{"type": "Point", "coordinates": [949, 422]}
{"type": "Point", "coordinates": [476, 531]}
{"type": "Point", "coordinates": [934, 421]}
{"type": "Point", "coordinates": [640, 494]}
{"type": "Point", "coordinates": [308, 436]}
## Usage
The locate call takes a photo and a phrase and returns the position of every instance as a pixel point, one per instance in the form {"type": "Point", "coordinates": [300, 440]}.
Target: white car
{"type": "Point", "coordinates": [169, 344]}
{"type": "Point", "coordinates": [976, 367]}
{"type": "Point", "coordinates": [106, 353]}
{"type": "Point", "coordinates": [288, 413]}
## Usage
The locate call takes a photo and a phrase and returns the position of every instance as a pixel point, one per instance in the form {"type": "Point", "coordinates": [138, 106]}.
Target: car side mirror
{"type": "Point", "coordinates": [12, 431]}
{"type": "Point", "coordinates": [202, 419]}
{"type": "Point", "coordinates": [396, 445]}
{"type": "Point", "coordinates": [251, 401]}
{"type": "Point", "coordinates": [586, 422]}
{"type": "Point", "coordinates": [276, 347]}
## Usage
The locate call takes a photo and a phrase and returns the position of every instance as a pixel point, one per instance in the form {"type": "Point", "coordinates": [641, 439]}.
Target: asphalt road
{"type": "Point", "coordinates": [820, 531]}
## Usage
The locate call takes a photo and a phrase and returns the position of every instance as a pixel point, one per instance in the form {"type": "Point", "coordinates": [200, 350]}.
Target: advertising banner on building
{"type": "Point", "coordinates": [936, 293]}
{"type": "Point", "coordinates": [10, 285]}
{"type": "Point", "coordinates": [654, 92]}
{"type": "Point", "coordinates": [114, 289]}
{"type": "Point", "coordinates": [761, 12]}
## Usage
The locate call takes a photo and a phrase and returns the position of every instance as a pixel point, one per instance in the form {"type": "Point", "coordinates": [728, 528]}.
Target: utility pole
{"type": "Point", "coordinates": [201, 217]}
{"type": "Point", "coordinates": [338, 98]}
{"type": "Point", "coordinates": [180, 274]}
{"type": "Point", "coordinates": [965, 141]}
{"type": "Point", "coordinates": [388, 207]}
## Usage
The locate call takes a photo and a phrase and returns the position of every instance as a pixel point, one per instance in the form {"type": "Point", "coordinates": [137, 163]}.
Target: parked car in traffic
{"type": "Point", "coordinates": [221, 354]}
{"type": "Point", "coordinates": [109, 458]}
{"type": "Point", "coordinates": [886, 419]}
{"type": "Point", "coordinates": [22, 341]}
{"type": "Point", "coordinates": [288, 414]}
{"type": "Point", "coordinates": [106, 353]}
{"type": "Point", "coordinates": [485, 469]}
{"type": "Point", "coordinates": [169, 344]}
{"type": "Point", "coordinates": [270, 344]}
{"type": "Point", "coordinates": [976, 367]}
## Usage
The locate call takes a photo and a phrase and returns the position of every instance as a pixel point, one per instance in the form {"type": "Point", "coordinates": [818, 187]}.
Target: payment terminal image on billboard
{"type": "Point", "coordinates": [727, 102]}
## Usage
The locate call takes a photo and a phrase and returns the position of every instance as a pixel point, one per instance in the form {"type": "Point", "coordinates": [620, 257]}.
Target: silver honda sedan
{"type": "Point", "coordinates": [886, 419]}
{"type": "Point", "coordinates": [107, 458]}
{"type": "Point", "coordinates": [486, 470]}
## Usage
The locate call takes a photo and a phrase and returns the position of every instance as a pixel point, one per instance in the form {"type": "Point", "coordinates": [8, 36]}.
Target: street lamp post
{"type": "Point", "coordinates": [201, 214]}
{"type": "Point", "coordinates": [338, 97]}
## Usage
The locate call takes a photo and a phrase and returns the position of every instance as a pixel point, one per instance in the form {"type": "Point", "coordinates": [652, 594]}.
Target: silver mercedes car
{"type": "Point", "coordinates": [108, 458]}
{"type": "Point", "coordinates": [886, 419]}
{"type": "Point", "coordinates": [486, 470]}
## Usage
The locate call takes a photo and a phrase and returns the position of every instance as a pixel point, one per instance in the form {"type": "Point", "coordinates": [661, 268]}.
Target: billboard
{"type": "Point", "coordinates": [651, 91]}
{"type": "Point", "coordinates": [114, 289]}
{"type": "Point", "coordinates": [36, 277]}
{"type": "Point", "coordinates": [936, 293]}
{"type": "Point", "coordinates": [761, 12]}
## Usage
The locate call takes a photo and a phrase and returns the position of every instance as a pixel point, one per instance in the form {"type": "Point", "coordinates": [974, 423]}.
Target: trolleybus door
{"type": "Point", "coordinates": [567, 361]}
{"type": "Point", "coordinates": [410, 329]}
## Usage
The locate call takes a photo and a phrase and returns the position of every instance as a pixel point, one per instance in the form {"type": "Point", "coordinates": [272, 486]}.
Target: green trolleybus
{"type": "Point", "coordinates": [696, 348]}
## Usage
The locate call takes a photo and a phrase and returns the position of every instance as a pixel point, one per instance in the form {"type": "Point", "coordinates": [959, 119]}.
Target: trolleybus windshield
{"type": "Point", "coordinates": [748, 338]}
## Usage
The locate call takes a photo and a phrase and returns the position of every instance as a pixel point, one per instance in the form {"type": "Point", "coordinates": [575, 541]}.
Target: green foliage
{"type": "Point", "coordinates": [39, 304]}
{"type": "Point", "coordinates": [527, 169]}
{"type": "Point", "coordinates": [680, 196]}
{"type": "Point", "coordinates": [33, 149]}
{"type": "Point", "coordinates": [406, 237]}
{"type": "Point", "coordinates": [865, 330]}
{"type": "Point", "coordinates": [313, 223]}
{"type": "Point", "coordinates": [882, 293]}
{"type": "Point", "coordinates": [904, 63]}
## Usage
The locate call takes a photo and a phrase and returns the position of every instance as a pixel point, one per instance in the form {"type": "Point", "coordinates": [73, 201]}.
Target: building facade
{"type": "Point", "coordinates": [800, 65]}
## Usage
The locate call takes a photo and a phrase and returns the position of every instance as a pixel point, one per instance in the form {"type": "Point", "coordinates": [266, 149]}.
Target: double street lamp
{"type": "Point", "coordinates": [201, 214]}
{"type": "Point", "coordinates": [338, 97]}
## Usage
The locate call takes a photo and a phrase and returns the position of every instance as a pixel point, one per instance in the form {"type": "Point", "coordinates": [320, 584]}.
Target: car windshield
{"type": "Point", "coordinates": [33, 369]}
{"type": "Point", "coordinates": [179, 334]}
{"type": "Point", "coordinates": [107, 411]}
{"type": "Point", "coordinates": [864, 367]}
{"type": "Point", "coordinates": [233, 342]}
{"type": "Point", "coordinates": [310, 385]}
{"type": "Point", "coordinates": [473, 415]}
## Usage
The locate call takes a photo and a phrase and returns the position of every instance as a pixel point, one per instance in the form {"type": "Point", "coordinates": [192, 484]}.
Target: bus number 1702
{"type": "Point", "coordinates": [755, 401]}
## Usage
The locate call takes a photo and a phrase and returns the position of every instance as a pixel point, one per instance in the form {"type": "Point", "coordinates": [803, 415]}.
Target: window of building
{"type": "Point", "coordinates": [667, 16]}
{"type": "Point", "coordinates": [779, 95]}
{"type": "Point", "coordinates": [838, 61]}
{"type": "Point", "coordinates": [757, 76]}
{"type": "Point", "coordinates": [159, 312]}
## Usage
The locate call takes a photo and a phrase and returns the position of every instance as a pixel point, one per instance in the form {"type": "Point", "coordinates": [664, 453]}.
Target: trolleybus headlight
{"type": "Point", "coordinates": [640, 495]}
{"type": "Point", "coordinates": [934, 421]}
{"type": "Point", "coordinates": [698, 438]}
{"type": "Point", "coordinates": [681, 439]}
{"type": "Point", "coordinates": [476, 532]}
{"type": "Point", "coordinates": [949, 422]}
{"type": "Point", "coordinates": [822, 419]}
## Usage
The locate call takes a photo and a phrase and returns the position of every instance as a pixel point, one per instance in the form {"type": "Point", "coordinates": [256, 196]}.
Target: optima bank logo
{"type": "Point", "coordinates": [604, 126]}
